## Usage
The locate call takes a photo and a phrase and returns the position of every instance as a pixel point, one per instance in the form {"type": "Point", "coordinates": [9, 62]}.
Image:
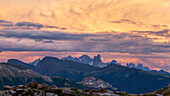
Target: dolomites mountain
{"type": "Point", "coordinates": [96, 61]}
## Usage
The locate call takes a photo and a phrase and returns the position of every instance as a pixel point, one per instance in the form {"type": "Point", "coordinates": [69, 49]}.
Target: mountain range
{"type": "Point", "coordinates": [141, 67]}
{"type": "Point", "coordinates": [18, 74]}
{"type": "Point", "coordinates": [125, 79]}
{"type": "Point", "coordinates": [97, 62]}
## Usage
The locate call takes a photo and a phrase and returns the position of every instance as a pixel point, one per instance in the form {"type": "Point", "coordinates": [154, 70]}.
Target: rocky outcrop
{"type": "Point", "coordinates": [91, 81]}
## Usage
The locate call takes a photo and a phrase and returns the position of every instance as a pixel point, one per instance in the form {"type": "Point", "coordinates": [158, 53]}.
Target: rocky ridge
{"type": "Point", "coordinates": [91, 81]}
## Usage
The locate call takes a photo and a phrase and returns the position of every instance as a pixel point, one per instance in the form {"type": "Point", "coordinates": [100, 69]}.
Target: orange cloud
{"type": "Point", "coordinates": [89, 15]}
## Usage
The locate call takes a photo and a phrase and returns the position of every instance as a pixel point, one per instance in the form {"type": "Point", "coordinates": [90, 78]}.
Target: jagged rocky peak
{"type": "Point", "coordinates": [85, 59]}
{"type": "Point", "coordinates": [98, 57]}
{"type": "Point", "coordinates": [131, 65]}
{"type": "Point", "coordinates": [139, 66]}
{"type": "Point", "coordinates": [97, 61]}
{"type": "Point", "coordinates": [115, 62]}
{"type": "Point", "coordinates": [84, 56]}
{"type": "Point", "coordinates": [70, 57]}
{"type": "Point", "coordinates": [91, 81]}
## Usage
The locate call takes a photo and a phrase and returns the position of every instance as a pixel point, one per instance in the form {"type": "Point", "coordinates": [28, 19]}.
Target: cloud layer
{"type": "Point", "coordinates": [38, 40]}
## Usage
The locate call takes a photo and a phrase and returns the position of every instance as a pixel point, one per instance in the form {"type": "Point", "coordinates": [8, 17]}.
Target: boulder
{"type": "Point", "coordinates": [8, 88]}
{"type": "Point", "coordinates": [107, 94]}
{"type": "Point", "coordinates": [49, 94]}
{"type": "Point", "coordinates": [32, 85]}
{"type": "Point", "coordinates": [21, 86]}
{"type": "Point", "coordinates": [169, 85]}
{"type": "Point", "coordinates": [12, 91]}
{"type": "Point", "coordinates": [85, 90]}
{"type": "Point", "coordinates": [43, 86]}
{"type": "Point", "coordinates": [53, 86]}
{"type": "Point", "coordinates": [68, 92]}
{"type": "Point", "coordinates": [94, 90]}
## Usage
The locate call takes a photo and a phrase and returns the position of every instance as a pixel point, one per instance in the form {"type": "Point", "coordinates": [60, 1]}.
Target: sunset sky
{"type": "Point", "coordinates": [136, 31]}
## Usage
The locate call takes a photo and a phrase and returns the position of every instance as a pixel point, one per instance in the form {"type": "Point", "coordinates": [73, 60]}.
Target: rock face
{"type": "Point", "coordinates": [91, 81]}
{"type": "Point", "coordinates": [96, 61]}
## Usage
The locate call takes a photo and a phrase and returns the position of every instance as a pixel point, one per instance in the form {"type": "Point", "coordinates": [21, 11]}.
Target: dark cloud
{"type": "Point", "coordinates": [159, 26]}
{"type": "Point", "coordinates": [41, 35]}
{"type": "Point", "coordinates": [63, 28]}
{"type": "Point", "coordinates": [3, 21]}
{"type": "Point", "coordinates": [29, 24]}
{"type": "Point", "coordinates": [47, 26]}
{"type": "Point", "coordinates": [49, 41]}
{"type": "Point", "coordinates": [26, 25]}
{"type": "Point", "coordinates": [139, 23]}
{"type": "Point", "coordinates": [164, 32]}
{"type": "Point", "coordinates": [127, 21]}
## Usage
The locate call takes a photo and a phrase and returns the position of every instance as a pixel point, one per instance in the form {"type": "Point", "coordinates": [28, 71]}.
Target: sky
{"type": "Point", "coordinates": [136, 31]}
